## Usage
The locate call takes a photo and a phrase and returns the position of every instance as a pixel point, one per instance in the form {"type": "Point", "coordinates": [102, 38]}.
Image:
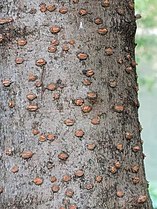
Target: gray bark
{"type": "Point", "coordinates": [109, 153]}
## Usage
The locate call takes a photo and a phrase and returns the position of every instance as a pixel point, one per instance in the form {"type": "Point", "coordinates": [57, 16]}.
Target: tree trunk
{"type": "Point", "coordinates": [70, 135]}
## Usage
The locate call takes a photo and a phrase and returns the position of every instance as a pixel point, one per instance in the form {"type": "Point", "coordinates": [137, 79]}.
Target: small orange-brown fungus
{"type": "Point", "coordinates": [113, 83]}
{"type": "Point", "coordinates": [109, 51]}
{"type": "Point", "coordinates": [131, 5]}
{"type": "Point", "coordinates": [102, 31]}
{"type": "Point", "coordinates": [86, 108]}
{"type": "Point", "coordinates": [105, 3]}
{"type": "Point", "coordinates": [73, 206]}
{"type": "Point", "coordinates": [136, 103]}
{"type": "Point", "coordinates": [82, 56]}
{"type": "Point", "coordinates": [41, 62]}
{"type": "Point", "coordinates": [52, 49]}
{"type": "Point", "coordinates": [69, 192]}
{"type": "Point", "coordinates": [63, 156]}
{"type": "Point", "coordinates": [38, 83]}
{"type": "Point", "coordinates": [42, 138]}
{"type": "Point", "coordinates": [120, 193]}
{"type": "Point", "coordinates": [79, 173]}
{"type": "Point", "coordinates": [65, 48]}
{"type": "Point", "coordinates": [55, 42]}
{"type": "Point", "coordinates": [143, 155]}
{"type": "Point", "coordinates": [89, 186]}
{"type": "Point", "coordinates": [119, 108]}
{"type": "Point", "coordinates": [11, 103]}
{"type": "Point", "coordinates": [15, 169]}
{"type": "Point", "coordinates": [63, 10]}
{"type": "Point", "coordinates": [1, 38]}
{"type": "Point", "coordinates": [69, 122]}
{"type": "Point", "coordinates": [62, 207]}
{"type": "Point", "coordinates": [120, 11]}
{"type": "Point", "coordinates": [71, 42]}
{"type": "Point", "coordinates": [53, 179]}
{"type": "Point", "coordinates": [6, 83]}
{"type": "Point", "coordinates": [75, 1]}
{"type": "Point", "coordinates": [88, 73]}
{"type": "Point", "coordinates": [55, 29]}
{"type": "Point", "coordinates": [9, 151]}
{"type": "Point", "coordinates": [136, 149]}
{"type": "Point", "coordinates": [92, 95]}
{"type": "Point", "coordinates": [6, 20]}
{"type": "Point", "coordinates": [66, 178]}
{"type": "Point", "coordinates": [86, 82]}
{"type": "Point", "coordinates": [95, 120]}
{"type": "Point", "coordinates": [51, 86]}
{"type": "Point", "coordinates": [26, 154]}
{"type": "Point", "coordinates": [120, 61]}
{"type": "Point", "coordinates": [43, 7]}
{"type": "Point", "coordinates": [136, 180]}
{"type": "Point", "coordinates": [22, 42]}
{"type": "Point", "coordinates": [31, 96]}
{"type": "Point", "coordinates": [135, 168]}
{"type": "Point", "coordinates": [79, 133]}
{"type": "Point", "coordinates": [128, 56]}
{"type": "Point", "coordinates": [51, 8]}
{"type": "Point", "coordinates": [98, 179]}
{"type": "Point", "coordinates": [83, 12]}
{"type": "Point", "coordinates": [51, 137]}
{"type": "Point", "coordinates": [79, 101]}
{"type": "Point", "coordinates": [113, 169]}
{"type": "Point", "coordinates": [1, 190]}
{"type": "Point", "coordinates": [129, 69]}
{"type": "Point", "coordinates": [56, 96]}
{"type": "Point", "coordinates": [91, 146]}
{"type": "Point", "coordinates": [55, 188]}
{"type": "Point", "coordinates": [38, 181]}
{"type": "Point", "coordinates": [32, 107]}
{"type": "Point", "coordinates": [19, 60]}
{"type": "Point", "coordinates": [35, 131]}
{"type": "Point", "coordinates": [142, 199]}
{"type": "Point", "coordinates": [98, 21]}
{"type": "Point", "coordinates": [128, 135]}
{"type": "Point", "coordinates": [133, 63]}
{"type": "Point", "coordinates": [117, 164]}
{"type": "Point", "coordinates": [32, 11]}
{"type": "Point", "coordinates": [120, 147]}
{"type": "Point", "coordinates": [32, 77]}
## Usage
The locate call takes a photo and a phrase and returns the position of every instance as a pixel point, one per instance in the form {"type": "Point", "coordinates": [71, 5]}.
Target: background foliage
{"type": "Point", "coordinates": [148, 9]}
{"type": "Point", "coordinates": [146, 51]}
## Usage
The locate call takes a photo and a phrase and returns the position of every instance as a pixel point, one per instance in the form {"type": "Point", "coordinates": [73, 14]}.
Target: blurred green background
{"type": "Point", "coordinates": [146, 51]}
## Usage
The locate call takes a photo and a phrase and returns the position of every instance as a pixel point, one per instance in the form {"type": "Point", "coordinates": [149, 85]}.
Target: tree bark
{"type": "Point", "coordinates": [70, 134]}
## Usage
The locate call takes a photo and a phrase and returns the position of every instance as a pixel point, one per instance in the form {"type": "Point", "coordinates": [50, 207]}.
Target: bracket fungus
{"type": "Point", "coordinates": [55, 29]}
{"type": "Point", "coordinates": [63, 156]}
{"type": "Point", "coordinates": [102, 31]}
{"type": "Point", "coordinates": [38, 181]}
{"type": "Point", "coordinates": [27, 154]}
{"type": "Point", "coordinates": [32, 107]}
{"type": "Point", "coordinates": [41, 62]}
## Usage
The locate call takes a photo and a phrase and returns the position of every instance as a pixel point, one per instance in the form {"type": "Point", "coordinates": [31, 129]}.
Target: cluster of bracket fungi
{"type": "Point", "coordinates": [80, 102]}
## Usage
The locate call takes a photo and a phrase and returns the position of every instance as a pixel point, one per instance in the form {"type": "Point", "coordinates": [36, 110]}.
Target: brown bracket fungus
{"type": "Point", "coordinates": [38, 181]}
{"type": "Point", "coordinates": [82, 56]}
{"type": "Point", "coordinates": [26, 154]}
{"type": "Point", "coordinates": [41, 62]}
{"type": "Point", "coordinates": [102, 31]}
{"type": "Point", "coordinates": [32, 107]}
{"type": "Point", "coordinates": [105, 3]}
{"type": "Point", "coordinates": [63, 156]}
{"type": "Point", "coordinates": [55, 29]}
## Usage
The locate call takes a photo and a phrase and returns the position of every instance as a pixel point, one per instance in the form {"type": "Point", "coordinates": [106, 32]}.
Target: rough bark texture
{"type": "Point", "coordinates": [110, 151]}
